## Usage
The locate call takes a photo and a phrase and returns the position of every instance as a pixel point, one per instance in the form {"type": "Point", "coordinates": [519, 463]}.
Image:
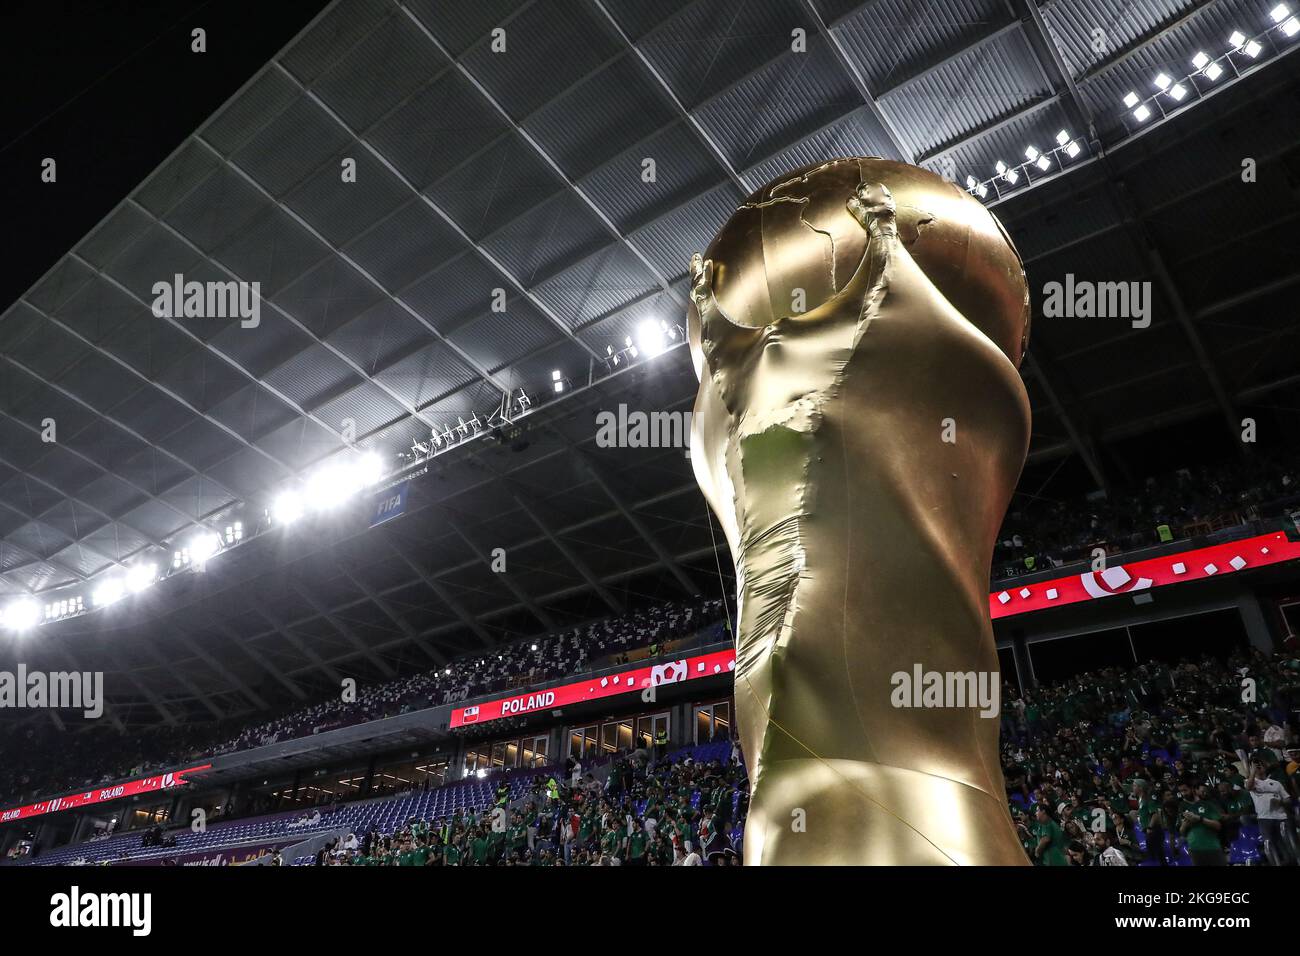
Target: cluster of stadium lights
{"type": "Point", "coordinates": [325, 490]}
{"type": "Point", "coordinates": [337, 483]}
{"type": "Point", "coordinates": [25, 613]}
{"type": "Point", "coordinates": [652, 339]}
{"type": "Point", "coordinates": [1207, 68]}
{"type": "Point", "coordinates": [328, 488]}
{"type": "Point", "coordinates": [1067, 147]}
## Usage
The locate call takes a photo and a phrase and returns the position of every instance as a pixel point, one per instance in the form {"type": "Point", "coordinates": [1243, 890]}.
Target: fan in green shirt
{"type": "Point", "coordinates": [636, 845]}
{"type": "Point", "coordinates": [1200, 835]}
{"type": "Point", "coordinates": [1050, 850]}
{"type": "Point", "coordinates": [451, 855]}
{"type": "Point", "coordinates": [611, 842]}
{"type": "Point", "coordinates": [516, 836]}
{"type": "Point", "coordinates": [663, 850]}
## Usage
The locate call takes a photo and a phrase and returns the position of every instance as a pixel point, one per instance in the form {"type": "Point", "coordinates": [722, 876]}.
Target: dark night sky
{"type": "Point", "coordinates": [109, 88]}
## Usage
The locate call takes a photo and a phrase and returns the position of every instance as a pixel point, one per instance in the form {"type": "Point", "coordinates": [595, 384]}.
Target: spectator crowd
{"type": "Point", "coordinates": [648, 810]}
{"type": "Point", "coordinates": [1039, 533]}
{"type": "Point", "coordinates": [1194, 763]}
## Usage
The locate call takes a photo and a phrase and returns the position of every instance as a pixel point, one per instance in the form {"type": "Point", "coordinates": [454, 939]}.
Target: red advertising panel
{"type": "Point", "coordinates": [164, 781]}
{"type": "Point", "coordinates": [594, 688]}
{"type": "Point", "coordinates": [1198, 564]}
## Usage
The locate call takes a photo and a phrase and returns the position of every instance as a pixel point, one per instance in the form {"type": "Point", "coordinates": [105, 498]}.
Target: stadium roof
{"type": "Point", "coordinates": [522, 171]}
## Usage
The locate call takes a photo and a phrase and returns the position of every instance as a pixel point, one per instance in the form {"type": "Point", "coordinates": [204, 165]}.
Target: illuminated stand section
{"type": "Point", "coordinates": [1195, 565]}
{"type": "Point", "coordinates": [116, 791]}
{"type": "Point", "coordinates": [624, 682]}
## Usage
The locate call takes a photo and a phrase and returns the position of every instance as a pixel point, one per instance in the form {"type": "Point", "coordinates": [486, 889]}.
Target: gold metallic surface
{"type": "Point", "coordinates": [862, 539]}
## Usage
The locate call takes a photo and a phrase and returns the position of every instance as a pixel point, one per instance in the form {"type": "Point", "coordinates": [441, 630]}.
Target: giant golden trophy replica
{"type": "Point", "coordinates": [860, 426]}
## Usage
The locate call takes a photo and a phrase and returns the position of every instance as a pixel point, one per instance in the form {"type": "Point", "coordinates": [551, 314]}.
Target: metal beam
{"type": "Point", "coordinates": [520, 595]}
{"type": "Point", "coordinates": [541, 152]}
{"type": "Point", "coordinates": [343, 627]}
{"type": "Point", "coordinates": [444, 596]}
{"type": "Point", "coordinates": [869, 97]}
{"type": "Point", "coordinates": [221, 669]}
{"type": "Point", "coordinates": [170, 667]}
{"type": "Point", "coordinates": [360, 136]}
{"type": "Point", "coordinates": [391, 613]}
{"type": "Point", "coordinates": [1058, 74]}
{"type": "Point", "coordinates": [298, 644]}
{"type": "Point", "coordinates": [987, 37]}
{"type": "Point", "coordinates": [666, 559]}
{"type": "Point", "coordinates": [129, 672]}
{"type": "Point", "coordinates": [191, 471]}
{"type": "Point", "coordinates": [67, 656]}
{"type": "Point", "coordinates": [1037, 362]}
{"type": "Point", "coordinates": [665, 87]}
{"type": "Point", "coordinates": [261, 661]}
{"type": "Point", "coordinates": [571, 556]}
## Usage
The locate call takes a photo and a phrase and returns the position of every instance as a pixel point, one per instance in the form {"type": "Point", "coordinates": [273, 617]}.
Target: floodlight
{"type": "Point", "coordinates": [650, 338]}
{"type": "Point", "coordinates": [1279, 13]}
{"type": "Point", "coordinates": [1178, 91]}
{"type": "Point", "coordinates": [203, 546]}
{"type": "Point", "coordinates": [1237, 40]}
{"type": "Point", "coordinates": [1200, 59]}
{"type": "Point", "coordinates": [330, 486]}
{"type": "Point", "coordinates": [1044, 162]}
{"type": "Point", "coordinates": [287, 508]}
{"type": "Point", "coordinates": [1130, 99]}
{"type": "Point", "coordinates": [1142, 114]}
{"type": "Point", "coordinates": [1062, 138]}
{"type": "Point", "coordinates": [140, 576]}
{"type": "Point", "coordinates": [109, 591]}
{"type": "Point", "coordinates": [20, 615]}
{"type": "Point", "coordinates": [1031, 153]}
{"type": "Point", "coordinates": [1162, 82]}
{"type": "Point", "coordinates": [369, 469]}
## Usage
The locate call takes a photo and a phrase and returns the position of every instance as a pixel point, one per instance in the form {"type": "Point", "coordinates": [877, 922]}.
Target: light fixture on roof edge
{"type": "Point", "coordinates": [20, 615]}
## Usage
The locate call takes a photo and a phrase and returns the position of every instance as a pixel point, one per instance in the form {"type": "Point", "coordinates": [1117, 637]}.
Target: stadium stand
{"type": "Point", "coordinates": [686, 808]}
{"type": "Point", "coordinates": [1158, 764]}
{"type": "Point", "coordinates": [1045, 535]}
{"type": "Point", "coordinates": [110, 757]}
{"type": "Point", "coordinates": [1040, 533]}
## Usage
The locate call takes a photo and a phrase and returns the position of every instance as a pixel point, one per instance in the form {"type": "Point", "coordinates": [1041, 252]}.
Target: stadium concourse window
{"type": "Point", "coordinates": [584, 742]}
{"type": "Point", "coordinates": [1192, 636]}
{"type": "Point", "coordinates": [143, 817]}
{"type": "Point", "coordinates": [1214, 634]}
{"type": "Point", "coordinates": [649, 726]}
{"type": "Point", "coordinates": [615, 736]}
{"type": "Point", "coordinates": [712, 722]}
{"type": "Point", "coordinates": [1290, 611]}
{"type": "Point", "coordinates": [529, 752]}
{"type": "Point", "coordinates": [1007, 665]}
